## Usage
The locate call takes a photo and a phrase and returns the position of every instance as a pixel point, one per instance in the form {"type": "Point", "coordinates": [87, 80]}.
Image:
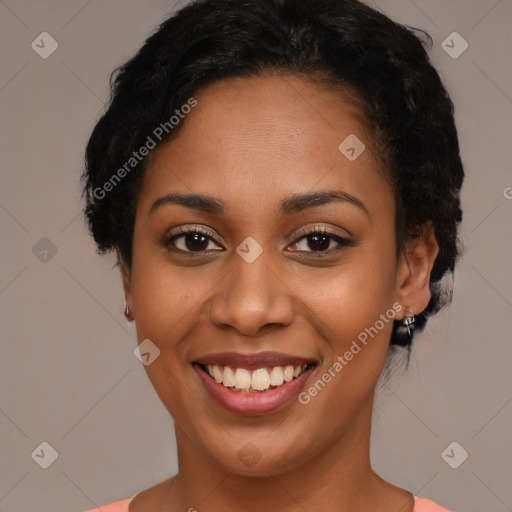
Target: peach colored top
{"type": "Point", "coordinates": [420, 505]}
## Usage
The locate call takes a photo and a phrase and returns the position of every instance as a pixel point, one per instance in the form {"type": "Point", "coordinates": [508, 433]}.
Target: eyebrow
{"type": "Point", "coordinates": [195, 201]}
{"type": "Point", "coordinates": [300, 202]}
{"type": "Point", "coordinates": [289, 205]}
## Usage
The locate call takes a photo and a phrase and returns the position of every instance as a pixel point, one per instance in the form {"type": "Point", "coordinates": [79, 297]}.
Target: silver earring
{"type": "Point", "coordinates": [404, 331]}
{"type": "Point", "coordinates": [127, 312]}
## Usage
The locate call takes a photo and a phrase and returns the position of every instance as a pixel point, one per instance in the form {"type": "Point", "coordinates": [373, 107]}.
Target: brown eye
{"type": "Point", "coordinates": [321, 241]}
{"type": "Point", "coordinates": [192, 241]}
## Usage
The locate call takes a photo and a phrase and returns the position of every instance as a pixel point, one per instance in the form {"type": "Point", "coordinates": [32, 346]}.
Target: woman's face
{"type": "Point", "coordinates": [255, 280]}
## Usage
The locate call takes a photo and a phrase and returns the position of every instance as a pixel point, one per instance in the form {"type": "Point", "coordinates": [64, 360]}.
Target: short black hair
{"type": "Point", "coordinates": [335, 42]}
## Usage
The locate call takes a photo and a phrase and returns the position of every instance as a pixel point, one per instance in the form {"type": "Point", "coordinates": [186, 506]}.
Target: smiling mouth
{"type": "Point", "coordinates": [258, 380]}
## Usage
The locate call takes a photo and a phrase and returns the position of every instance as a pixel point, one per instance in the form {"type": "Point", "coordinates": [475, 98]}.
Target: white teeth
{"type": "Point", "coordinates": [276, 376]}
{"type": "Point", "coordinates": [288, 373]}
{"type": "Point", "coordinates": [217, 374]}
{"type": "Point", "coordinates": [228, 377]}
{"type": "Point", "coordinates": [261, 379]}
{"type": "Point", "coordinates": [242, 378]}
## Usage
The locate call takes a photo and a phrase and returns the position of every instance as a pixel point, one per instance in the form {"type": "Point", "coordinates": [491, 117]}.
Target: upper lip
{"type": "Point", "coordinates": [253, 361]}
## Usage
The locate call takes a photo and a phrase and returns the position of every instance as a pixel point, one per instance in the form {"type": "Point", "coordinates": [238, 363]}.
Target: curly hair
{"type": "Point", "coordinates": [332, 42]}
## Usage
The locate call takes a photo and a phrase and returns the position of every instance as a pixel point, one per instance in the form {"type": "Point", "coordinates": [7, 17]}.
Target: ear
{"type": "Point", "coordinates": [126, 277]}
{"type": "Point", "coordinates": [414, 268]}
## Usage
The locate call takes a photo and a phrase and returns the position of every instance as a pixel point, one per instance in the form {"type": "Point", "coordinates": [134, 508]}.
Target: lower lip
{"type": "Point", "coordinates": [250, 404]}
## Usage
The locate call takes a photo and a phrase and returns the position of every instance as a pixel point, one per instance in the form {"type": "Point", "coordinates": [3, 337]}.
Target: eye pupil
{"type": "Point", "coordinates": [196, 241]}
{"type": "Point", "coordinates": [322, 242]}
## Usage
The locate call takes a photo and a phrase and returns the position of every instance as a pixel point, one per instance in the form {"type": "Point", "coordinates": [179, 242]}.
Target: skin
{"type": "Point", "coordinates": [251, 143]}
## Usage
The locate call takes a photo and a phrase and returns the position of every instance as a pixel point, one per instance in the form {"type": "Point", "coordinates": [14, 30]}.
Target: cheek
{"type": "Point", "coordinates": [164, 298]}
{"type": "Point", "coordinates": [352, 296]}
{"type": "Point", "coordinates": [167, 303]}
{"type": "Point", "coordinates": [353, 307]}
{"type": "Point", "coordinates": [162, 293]}
{"type": "Point", "coordinates": [355, 318]}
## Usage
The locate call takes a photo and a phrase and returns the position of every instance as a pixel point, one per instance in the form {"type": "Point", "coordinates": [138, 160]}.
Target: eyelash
{"type": "Point", "coordinates": [342, 242]}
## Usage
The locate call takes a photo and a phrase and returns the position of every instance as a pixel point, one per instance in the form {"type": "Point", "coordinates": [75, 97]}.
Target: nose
{"type": "Point", "coordinates": [251, 298]}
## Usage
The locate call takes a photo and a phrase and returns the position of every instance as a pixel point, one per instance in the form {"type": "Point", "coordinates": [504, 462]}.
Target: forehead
{"type": "Point", "coordinates": [264, 138]}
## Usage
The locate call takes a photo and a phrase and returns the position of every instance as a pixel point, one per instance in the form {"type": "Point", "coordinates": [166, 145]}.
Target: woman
{"type": "Point", "coordinates": [280, 182]}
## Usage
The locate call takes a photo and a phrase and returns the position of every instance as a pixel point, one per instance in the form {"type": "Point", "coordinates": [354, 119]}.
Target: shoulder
{"type": "Point", "coordinates": [425, 505]}
{"type": "Point", "coordinates": [118, 506]}
{"type": "Point", "coordinates": [149, 499]}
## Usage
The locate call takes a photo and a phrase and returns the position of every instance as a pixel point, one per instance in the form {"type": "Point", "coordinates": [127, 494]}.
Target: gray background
{"type": "Point", "coordinates": [68, 373]}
